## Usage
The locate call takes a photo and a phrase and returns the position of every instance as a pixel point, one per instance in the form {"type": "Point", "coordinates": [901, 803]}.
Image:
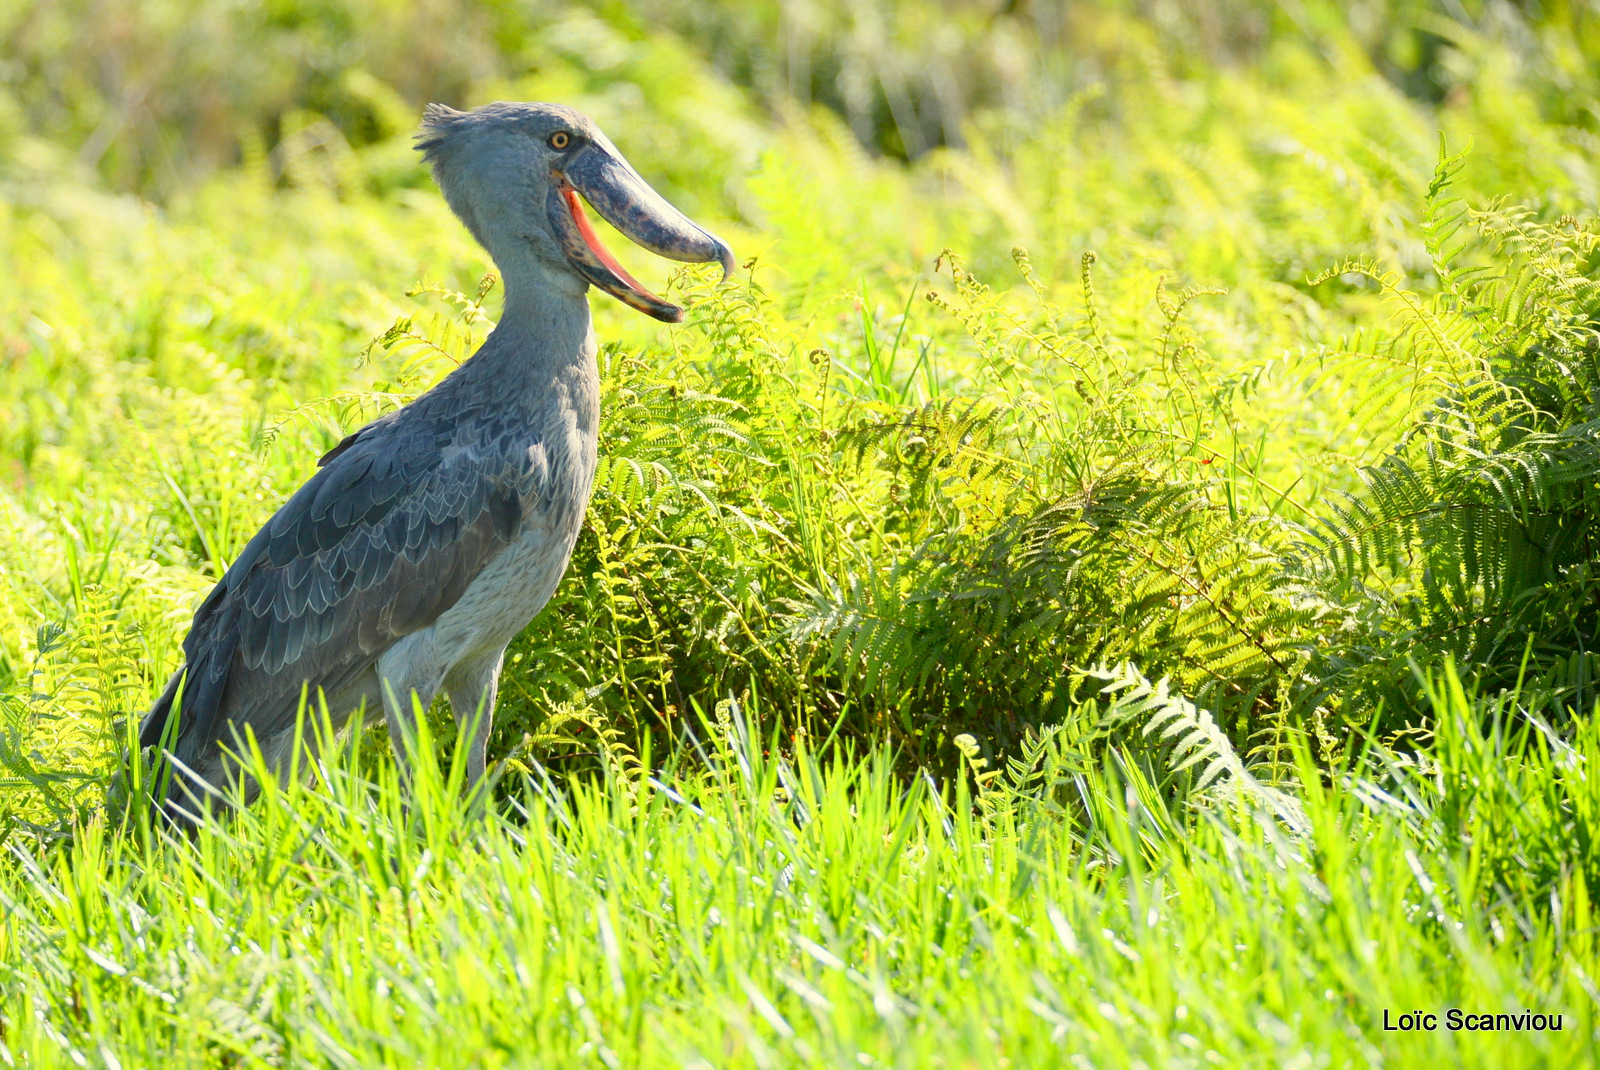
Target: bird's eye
{"type": "Point", "coordinates": [560, 140]}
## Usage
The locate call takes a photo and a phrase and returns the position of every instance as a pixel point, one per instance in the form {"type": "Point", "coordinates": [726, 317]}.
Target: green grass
{"type": "Point", "coordinates": [824, 912]}
{"type": "Point", "coordinates": [1114, 576]}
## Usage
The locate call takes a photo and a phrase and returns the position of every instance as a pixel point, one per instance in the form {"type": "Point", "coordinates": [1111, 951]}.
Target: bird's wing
{"type": "Point", "coordinates": [378, 544]}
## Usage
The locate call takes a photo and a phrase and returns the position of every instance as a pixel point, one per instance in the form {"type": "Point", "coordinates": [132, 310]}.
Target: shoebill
{"type": "Point", "coordinates": [432, 536]}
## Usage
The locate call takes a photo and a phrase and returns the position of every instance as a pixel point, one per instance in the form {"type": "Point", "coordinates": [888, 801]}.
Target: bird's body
{"type": "Point", "coordinates": [433, 535]}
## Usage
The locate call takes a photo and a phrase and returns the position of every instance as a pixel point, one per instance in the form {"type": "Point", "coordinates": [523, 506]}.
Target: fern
{"type": "Point", "coordinates": [82, 674]}
{"type": "Point", "coordinates": [1472, 538]}
{"type": "Point", "coordinates": [1190, 737]}
{"type": "Point", "coordinates": [1040, 533]}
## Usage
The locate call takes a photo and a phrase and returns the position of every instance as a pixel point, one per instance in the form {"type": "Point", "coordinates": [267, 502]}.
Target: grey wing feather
{"type": "Point", "coordinates": [378, 544]}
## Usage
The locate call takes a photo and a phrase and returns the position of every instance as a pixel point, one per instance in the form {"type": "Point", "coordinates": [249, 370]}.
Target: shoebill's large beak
{"type": "Point", "coordinates": [627, 202]}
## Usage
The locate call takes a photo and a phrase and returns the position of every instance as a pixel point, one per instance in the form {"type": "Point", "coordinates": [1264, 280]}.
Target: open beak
{"type": "Point", "coordinates": [627, 202]}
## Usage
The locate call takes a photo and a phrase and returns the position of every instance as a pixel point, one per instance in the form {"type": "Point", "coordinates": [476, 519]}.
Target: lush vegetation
{"type": "Point", "coordinates": [1112, 575]}
{"type": "Point", "coordinates": [738, 910]}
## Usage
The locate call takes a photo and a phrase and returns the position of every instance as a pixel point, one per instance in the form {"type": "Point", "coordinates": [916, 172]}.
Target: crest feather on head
{"type": "Point", "coordinates": [439, 121]}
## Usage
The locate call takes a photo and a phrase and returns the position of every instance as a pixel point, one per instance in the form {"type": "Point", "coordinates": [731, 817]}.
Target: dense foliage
{"type": "Point", "coordinates": [1134, 501]}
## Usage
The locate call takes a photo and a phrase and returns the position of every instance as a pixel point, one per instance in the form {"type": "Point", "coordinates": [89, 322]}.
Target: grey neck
{"type": "Point", "coordinates": [545, 323]}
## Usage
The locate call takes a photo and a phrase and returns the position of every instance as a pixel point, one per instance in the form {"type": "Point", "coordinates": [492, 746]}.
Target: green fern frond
{"type": "Point", "coordinates": [1191, 737]}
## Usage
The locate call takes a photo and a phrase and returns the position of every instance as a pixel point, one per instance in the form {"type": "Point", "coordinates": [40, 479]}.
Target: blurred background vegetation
{"type": "Point", "coordinates": [1283, 401]}
{"type": "Point", "coordinates": [154, 95]}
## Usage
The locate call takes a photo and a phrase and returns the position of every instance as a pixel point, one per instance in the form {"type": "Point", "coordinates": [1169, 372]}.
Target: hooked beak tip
{"type": "Point", "coordinates": [725, 258]}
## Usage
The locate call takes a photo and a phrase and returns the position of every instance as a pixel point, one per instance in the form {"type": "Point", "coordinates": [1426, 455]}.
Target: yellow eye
{"type": "Point", "coordinates": [559, 140]}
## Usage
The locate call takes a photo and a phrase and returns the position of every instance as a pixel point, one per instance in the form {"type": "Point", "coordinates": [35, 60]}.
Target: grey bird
{"type": "Point", "coordinates": [433, 535]}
